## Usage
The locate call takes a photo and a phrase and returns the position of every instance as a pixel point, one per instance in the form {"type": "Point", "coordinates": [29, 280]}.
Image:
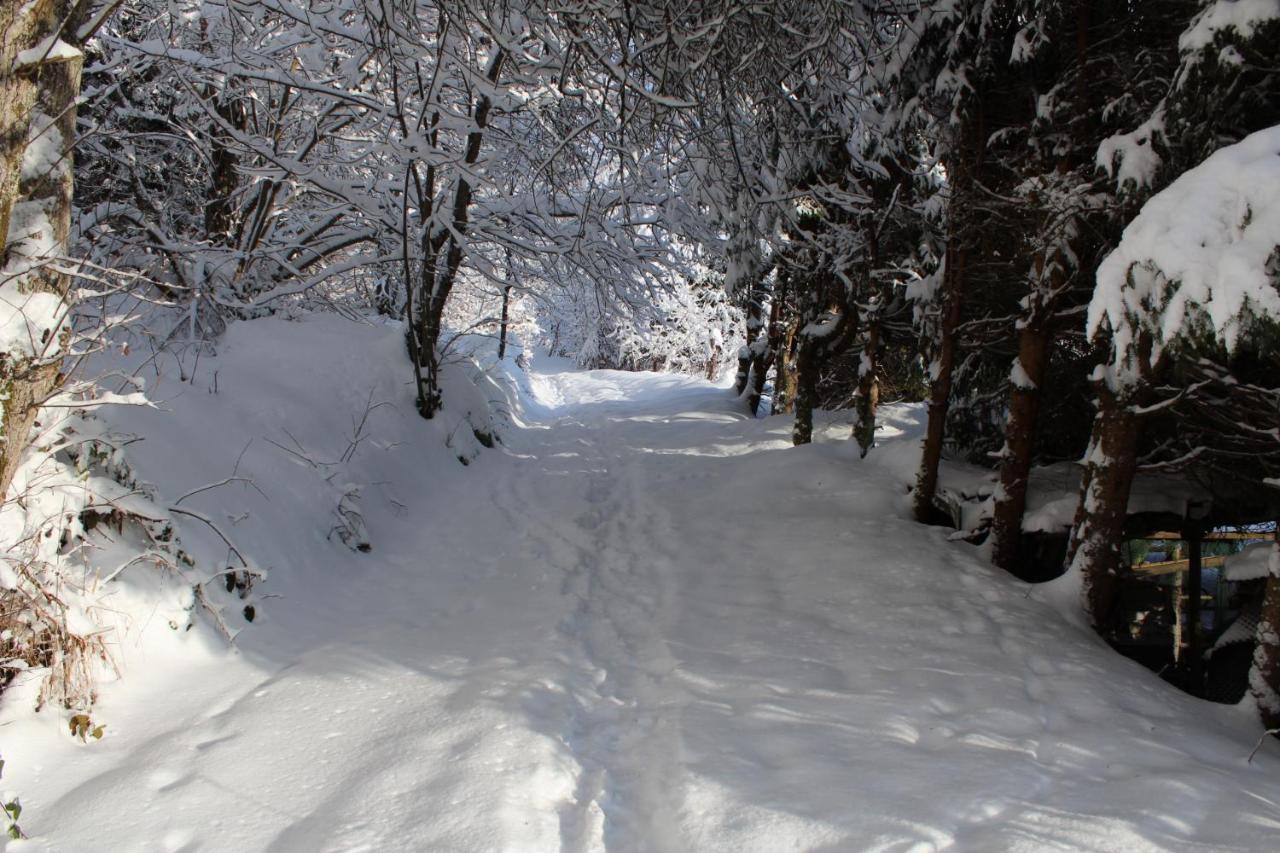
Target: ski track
{"type": "Point", "coordinates": [618, 634]}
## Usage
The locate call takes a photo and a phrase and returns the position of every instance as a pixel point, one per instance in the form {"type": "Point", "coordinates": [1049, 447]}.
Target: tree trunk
{"type": "Point", "coordinates": [747, 356]}
{"type": "Point", "coordinates": [437, 282]}
{"type": "Point", "coordinates": [713, 365]}
{"type": "Point", "coordinates": [1264, 677]}
{"type": "Point", "coordinates": [1098, 534]}
{"type": "Point", "coordinates": [806, 391]}
{"type": "Point", "coordinates": [765, 354]}
{"type": "Point", "coordinates": [743, 376]}
{"type": "Point", "coordinates": [1034, 341]}
{"type": "Point", "coordinates": [24, 25]}
{"type": "Point", "coordinates": [864, 431]}
{"type": "Point", "coordinates": [815, 344]}
{"type": "Point", "coordinates": [940, 388]}
{"type": "Point", "coordinates": [45, 87]}
{"type": "Point", "coordinates": [220, 211]}
{"type": "Point", "coordinates": [759, 373]}
{"type": "Point", "coordinates": [784, 371]}
{"type": "Point", "coordinates": [502, 334]}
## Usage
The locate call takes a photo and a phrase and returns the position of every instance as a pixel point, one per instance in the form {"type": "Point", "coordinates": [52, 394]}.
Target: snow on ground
{"type": "Point", "coordinates": [642, 622]}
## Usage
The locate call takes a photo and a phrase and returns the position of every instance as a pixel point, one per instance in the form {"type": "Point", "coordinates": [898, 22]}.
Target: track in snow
{"type": "Point", "coordinates": [644, 624]}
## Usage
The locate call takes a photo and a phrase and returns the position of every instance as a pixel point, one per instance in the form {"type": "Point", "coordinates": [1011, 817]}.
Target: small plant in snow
{"type": "Point", "coordinates": [350, 527]}
{"type": "Point", "coordinates": [12, 811]}
{"type": "Point", "coordinates": [82, 726]}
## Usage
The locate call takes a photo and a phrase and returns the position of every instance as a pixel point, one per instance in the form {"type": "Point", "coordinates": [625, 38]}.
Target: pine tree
{"type": "Point", "coordinates": [1225, 85]}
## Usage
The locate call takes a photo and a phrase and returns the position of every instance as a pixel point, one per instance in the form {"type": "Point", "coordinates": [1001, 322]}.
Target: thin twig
{"type": "Point", "coordinates": [1268, 733]}
{"type": "Point", "coordinates": [200, 517]}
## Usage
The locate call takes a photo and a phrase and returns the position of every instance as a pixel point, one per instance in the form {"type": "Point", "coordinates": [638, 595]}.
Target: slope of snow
{"type": "Point", "coordinates": [641, 622]}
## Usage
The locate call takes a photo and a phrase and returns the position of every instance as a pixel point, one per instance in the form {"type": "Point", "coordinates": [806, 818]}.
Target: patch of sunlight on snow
{"type": "Point", "coordinates": [723, 822]}
{"type": "Point", "coordinates": [1039, 828]}
{"type": "Point", "coordinates": [684, 417]}
{"type": "Point", "coordinates": [901, 731]}
{"type": "Point", "coordinates": [996, 742]}
{"type": "Point", "coordinates": [711, 451]}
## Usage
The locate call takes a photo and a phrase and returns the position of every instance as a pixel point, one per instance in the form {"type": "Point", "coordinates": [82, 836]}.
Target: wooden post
{"type": "Point", "coordinates": [1195, 541]}
{"type": "Point", "coordinates": [1179, 622]}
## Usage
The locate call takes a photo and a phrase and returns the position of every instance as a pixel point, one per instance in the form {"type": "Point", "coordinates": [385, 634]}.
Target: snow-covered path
{"type": "Point", "coordinates": [643, 623]}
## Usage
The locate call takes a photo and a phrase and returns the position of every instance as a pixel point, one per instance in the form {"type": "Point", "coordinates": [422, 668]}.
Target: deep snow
{"type": "Point", "coordinates": [642, 622]}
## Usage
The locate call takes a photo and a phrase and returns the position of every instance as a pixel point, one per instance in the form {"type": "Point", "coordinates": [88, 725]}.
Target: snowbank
{"type": "Point", "coordinates": [245, 475]}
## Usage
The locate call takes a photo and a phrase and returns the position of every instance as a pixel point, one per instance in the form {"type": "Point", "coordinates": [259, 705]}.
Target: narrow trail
{"type": "Point", "coordinates": [622, 726]}
{"type": "Point", "coordinates": [645, 623]}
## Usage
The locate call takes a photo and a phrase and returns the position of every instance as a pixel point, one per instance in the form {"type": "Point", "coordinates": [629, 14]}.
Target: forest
{"type": "Point", "coordinates": [640, 424]}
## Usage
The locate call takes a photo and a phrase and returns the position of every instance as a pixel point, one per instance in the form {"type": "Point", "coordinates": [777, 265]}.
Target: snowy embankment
{"type": "Point", "coordinates": [641, 622]}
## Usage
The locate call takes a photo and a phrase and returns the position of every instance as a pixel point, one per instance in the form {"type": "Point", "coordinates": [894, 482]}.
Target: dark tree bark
{"type": "Point", "coordinates": [743, 376]}
{"type": "Point", "coordinates": [766, 355]}
{"type": "Point", "coordinates": [826, 327]}
{"type": "Point", "coordinates": [1034, 342]}
{"type": "Point", "coordinates": [502, 334]}
{"type": "Point", "coordinates": [220, 214]}
{"type": "Point", "coordinates": [764, 341]}
{"type": "Point", "coordinates": [953, 283]}
{"type": "Point", "coordinates": [1098, 533]}
{"type": "Point", "coordinates": [750, 354]}
{"type": "Point", "coordinates": [806, 390]}
{"type": "Point", "coordinates": [784, 370]}
{"type": "Point", "coordinates": [864, 429]}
